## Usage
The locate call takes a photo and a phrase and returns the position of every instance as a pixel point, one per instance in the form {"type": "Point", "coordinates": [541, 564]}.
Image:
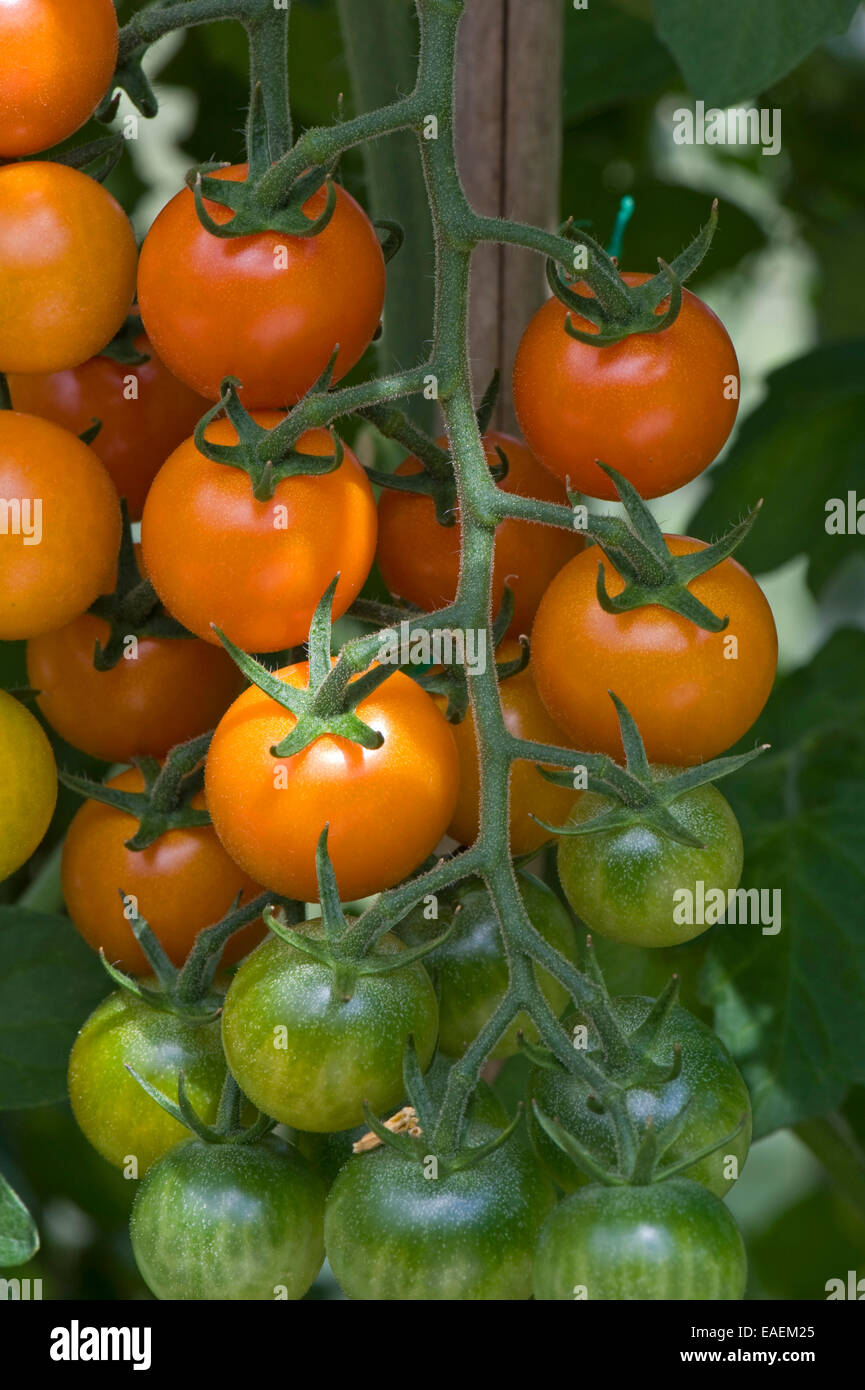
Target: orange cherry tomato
{"type": "Point", "coordinates": [692, 693]}
{"type": "Point", "coordinates": [268, 309]}
{"type": "Point", "coordinates": [166, 691]}
{"type": "Point", "coordinates": [386, 808]}
{"type": "Point", "coordinates": [657, 407]}
{"type": "Point", "coordinates": [58, 549]}
{"type": "Point", "coordinates": [145, 413]}
{"type": "Point", "coordinates": [420, 560]}
{"type": "Point", "coordinates": [530, 793]}
{"type": "Point", "coordinates": [215, 554]}
{"type": "Point", "coordinates": [182, 883]}
{"type": "Point", "coordinates": [67, 267]}
{"type": "Point", "coordinates": [57, 58]}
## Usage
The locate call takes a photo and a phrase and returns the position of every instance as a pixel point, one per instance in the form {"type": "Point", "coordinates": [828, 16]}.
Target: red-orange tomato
{"type": "Point", "coordinates": [58, 550]}
{"type": "Point", "coordinates": [692, 693]}
{"type": "Point", "coordinates": [386, 808]}
{"type": "Point", "coordinates": [215, 554]}
{"type": "Point", "coordinates": [530, 793]}
{"type": "Point", "coordinates": [57, 58]}
{"type": "Point", "coordinates": [167, 690]}
{"type": "Point", "coordinates": [67, 267]}
{"type": "Point", "coordinates": [182, 883]}
{"type": "Point", "coordinates": [657, 407]}
{"type": "Point", "coordinates": [268, 309]}
{"type": "Point", "coordinates": [420, 560]}
{"type": "Point", "coordinates": [145, 413]}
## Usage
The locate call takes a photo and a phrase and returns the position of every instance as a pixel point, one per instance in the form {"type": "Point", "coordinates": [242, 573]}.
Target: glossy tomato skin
{"type": "Point", "coordinates": [623, 882]}
{"type": "Point", "coordinates": [335, 1052]}
{"type": "Point", "coordinates": [420, 560]}
{"type": "Point", "coordinates": [229, 1222]}
{"type": "Point", "coordinates": [530, 794]}
{"type": "Point", "coordinates": [471, 970]}
{"type": "Point", "coordinates": [167, 691]}
{"type": "Point", "coordinates": [393, 1233]}
{"type": "Point", "coordinates": [709, 1082]}
{"type": "Point", "coordinates": [182, 883]}
{"type": "Point", "coordinates": [65, 552]}
{"type": "Point", "coordinates": [28, 787]}
{"type": "Point", "coordinates": [56, 61]}
{"type": "Point", "coordinates": [67, 267]}
{"type": "Point", "coordinates": [672, 1240]}
{"type": "Point", "coordinates": [275, 558]}
{"type": "Point", "coordinates": [692, 693]}
{"type": "Point", "coordinates": [268, 309]}
{"type": "Point", "coordinates": [145, 414]}
{"type": "Point", "coordinates": [114, 1113]}
{"type": "Point", "coordinates": [386, 808]}
{"type": "Point", "coordinates": [657, 407]}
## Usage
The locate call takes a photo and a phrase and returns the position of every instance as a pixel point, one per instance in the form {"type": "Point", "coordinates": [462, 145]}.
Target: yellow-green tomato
{"type": "Point", "coordinates": [28, 784]}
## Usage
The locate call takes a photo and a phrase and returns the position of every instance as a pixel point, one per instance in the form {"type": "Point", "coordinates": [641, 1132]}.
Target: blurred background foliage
{"type": "Point", "coordinates": [785, 275]}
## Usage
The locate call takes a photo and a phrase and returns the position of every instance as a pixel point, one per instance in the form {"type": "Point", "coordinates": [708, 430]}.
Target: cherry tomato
{"type": "Point", "coordinates": [167, 690]}
{"type": "Point", "coordinates": [386, 807]}
{"type": "Point", "coordinates": [531, 794]}
{"type": "Point", "coordinates": [625, 882]}
{"type": "Point", "coordinates": [114, 1113]}
{"type": "Point", "coordinates": [471, 969]}
{"type": "Point", "coordinates": [657, 407]}
{"type": "Point", "coordinates": [144, 410]}
{"type": "Point", "coordinates": [221, 1222]}
{"type": "Point", "coordinates": [56, 61]}
{"type": "Point", "coordinates": [59, 550]}
{"type": "Point", "coordinates": [671, 1240]}
{"type": "Point", "coordinates": [28, 786]}
{"type": "Point", "coordinates": [307, 1055]}
{"type": "Point", "coordinates": [268, 309]}
{"type": "Point", "coordinates": [393, 1229]}
{"type": "Point", "coordinates": [420, 560]}
{"type": "Point", "coordinates": [183, 882]}
{"type": "Point", "coordinates": [692, 693]}
{"type": "Point", "coordinates": [708, 1086]}
{"type": "Point", "coordinates": [67, 267]}
{"type": "Point", "coordinates": [275, 559]}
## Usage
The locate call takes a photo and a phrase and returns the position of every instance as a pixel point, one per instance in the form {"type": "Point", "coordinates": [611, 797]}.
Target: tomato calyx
{"type": "Point", "coordinates": [614, 307]}
{"type": "Point", "coordinates": [133, 610]}
{"type": "Point", "coordinates": [640, 793]}
{"type": "Point", "coordinates": [226, 1128]}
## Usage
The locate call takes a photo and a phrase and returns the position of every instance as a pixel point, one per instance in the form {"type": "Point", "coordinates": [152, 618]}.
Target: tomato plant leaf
{"type": "Point", "coordinates": [610, 56]}
{"type": "Point", "coordinates": [19, 1238]}
{"type": "Point", "coordinates": [734, 51]}
{"type": "Point", "coordinates": [51, 980]}
{"type": "Point", "coordinates": [790, 1004]}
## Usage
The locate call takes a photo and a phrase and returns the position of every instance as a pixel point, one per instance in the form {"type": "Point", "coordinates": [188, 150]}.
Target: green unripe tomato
{"type": "Point", "coordinates": [709, 1083]}
{"type": "Point", "coordinates": [622, 882]}
{"type": "Point", "coordinates": [471, 969]}
{"type": "Point", "coordinates": [229, 1221]}
{"type": "Point", "coordinates": [308, 1056]}
{"type": "Point", "coordinates": [672, 1240]}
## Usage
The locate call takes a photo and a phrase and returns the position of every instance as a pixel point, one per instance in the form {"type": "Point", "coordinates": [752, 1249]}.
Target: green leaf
{"type": "Point", "coordinates": [728, 52]}
{"type": "Point", "coordinates": [610, 56]}
{"type": "Point", "coordinates": [800, 448]}
{"type": "Point", "coordinates": [19, 1238]}
{"type": "Point", "coordinates": [50, 982]}
{"type": "Point", "coordinates": [791, 1006]}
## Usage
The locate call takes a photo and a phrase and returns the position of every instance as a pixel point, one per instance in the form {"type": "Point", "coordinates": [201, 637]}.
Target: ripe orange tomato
{"type": "Point", "coordinates": [387, 807]}
{"type": "Point", "coordinates": [420, 560]}
{"type": "Point", "coordinates": [214, 554]}
{"type": "Point", "coordinates": [530, 793]}
{"type": "Point", "coordinates": [268, 309]}
{"type": "Point", "coordinates": [145, 413]}
{"type": "Point", "coordinates": [56, 61]}
{"type": "Point", "coordinates": [692, 693]}
{"type": "Point", "coordinates": [67, 267]}
{"type": "Point", "coordinates": [61, 531]}
{"type": "Point", "coordinates": [166, 691]}
{"type": "Point", "coordinates": [657, 407]}
{"type": "Point", "coordinates": [182, 883]}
